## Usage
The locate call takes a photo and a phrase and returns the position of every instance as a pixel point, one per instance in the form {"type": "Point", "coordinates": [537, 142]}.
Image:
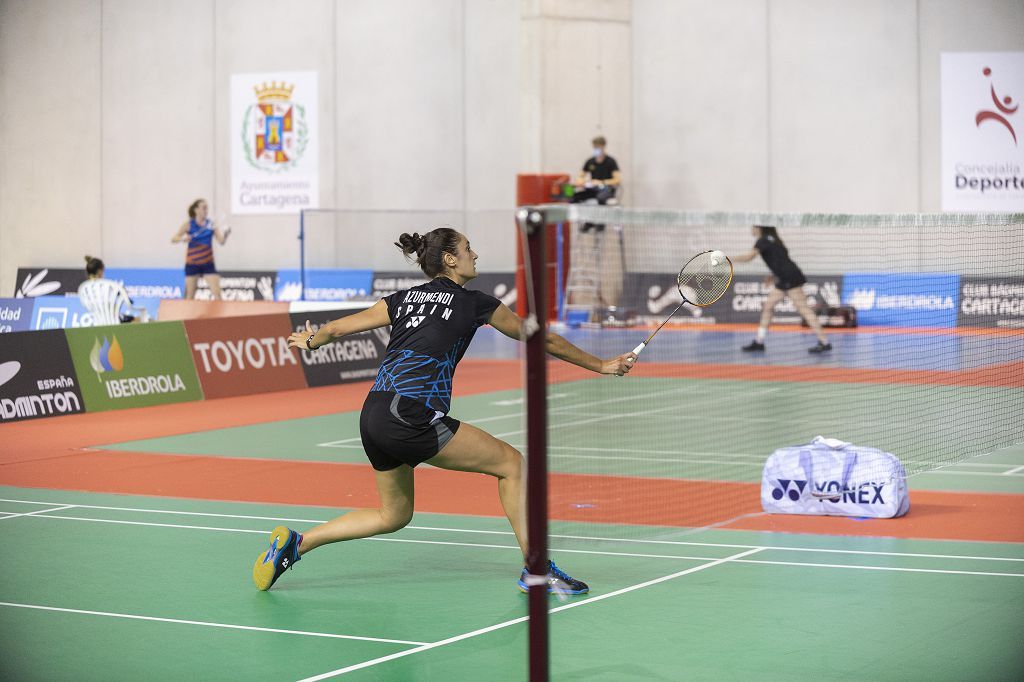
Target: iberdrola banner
{"type": "Point", "coordinates": [274, 138]}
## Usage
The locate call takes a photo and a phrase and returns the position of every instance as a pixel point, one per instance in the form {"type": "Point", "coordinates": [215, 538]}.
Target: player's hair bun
{"type": "Point", "coordinates": [411, 244]}
{"type": "Point", "coordinates": [428, 249]}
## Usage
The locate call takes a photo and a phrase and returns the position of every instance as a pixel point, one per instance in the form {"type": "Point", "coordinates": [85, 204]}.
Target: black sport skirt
{"type": "Point", "coordinates": [397, 430]}
{"type": "Point", "coordinates": [792, 280]}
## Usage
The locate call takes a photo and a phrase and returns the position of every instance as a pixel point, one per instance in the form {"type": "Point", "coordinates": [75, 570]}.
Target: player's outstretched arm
{"type": "Point", "coordinates": [746, 257]}
{"type": "Point", "coordinates": [373, 317]}
{"type": "Point", "coordinates": [511, 325]}
{"type": "Point", "coordinates": [181, 235]}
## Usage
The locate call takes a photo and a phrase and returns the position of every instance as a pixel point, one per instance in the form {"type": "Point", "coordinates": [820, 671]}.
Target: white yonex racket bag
{"type": "Point", "coordinates": [866, 482]}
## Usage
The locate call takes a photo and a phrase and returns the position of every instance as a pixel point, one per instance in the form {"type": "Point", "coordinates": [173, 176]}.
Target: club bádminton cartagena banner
{"type": "Point", "coordinates": [133, 365]}
{"type": "Point", "coordinates": [274, 140]}
{"type": "Point", "coordinates": [982, 131]}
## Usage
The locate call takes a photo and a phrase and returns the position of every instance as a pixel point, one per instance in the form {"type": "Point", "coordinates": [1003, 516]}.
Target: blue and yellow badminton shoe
{"type": "Point", "coordinates": [282, 555]}
{"type": "Point", "coordinates": [559, 582]}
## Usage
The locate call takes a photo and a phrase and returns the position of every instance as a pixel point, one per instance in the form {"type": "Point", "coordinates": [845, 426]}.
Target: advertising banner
{"type": "Point", "coordinates": [387, 283]}
{"type": "Point", "coordinates": [275, 166]}
{"type": "Point", "coordinates": [133, 365]}
{"type": "Point", "coordinates": [243, 355]}
{"type": "Point", "coordinates": [150, 282]}
{"type": "Point", "coordinates": [37, 378]}
{"type": "Point", "coordinates": [903, 300]}
{"type": "Point", "coordinates": [34, 282]}
{"type": "Point", "coordinates": [239, 285]}
{"type": "Point", "coordinates": [651, 296]}
{"type": "Point", "coordinates": [500, 285]}
{"type": "Point", "coordinates": [323, 285]}
{"type": "Point", "coordinates": [745, 298]}
{"type": "Point", "coordinates": [353, 358]}
{"type": "Point", "coordinates": [992, 302]}
{"type": "Point", "coordinates": [65, 312]}
{"type": "Point", "coordinates": [982, 131]}
{"type": "Point", "coordinates": [15, 314]}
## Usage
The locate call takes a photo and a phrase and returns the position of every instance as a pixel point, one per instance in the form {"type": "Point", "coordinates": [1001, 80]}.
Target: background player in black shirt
{"type": "Point", "coordinates": [600, 177]}
{"type": "Point", "coordinates": [789, 281]}
{"type": "Point", "coordinates": [405, 421]}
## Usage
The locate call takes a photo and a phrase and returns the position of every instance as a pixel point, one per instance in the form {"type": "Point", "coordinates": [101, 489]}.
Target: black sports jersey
{"type": "Point", "coordinates": [431, 327]}
{"type": "Point", "coordinates": [776, 257]}
{"type": "Point", "coordinates": [600, 170]}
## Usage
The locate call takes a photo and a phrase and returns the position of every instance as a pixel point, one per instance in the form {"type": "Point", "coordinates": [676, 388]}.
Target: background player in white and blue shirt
{"type": "Point", "coordinates": [405, 418]}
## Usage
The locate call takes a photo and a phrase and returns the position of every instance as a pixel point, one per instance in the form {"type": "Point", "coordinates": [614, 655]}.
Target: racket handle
{"type": "Point", "coordinates": [638, 349]}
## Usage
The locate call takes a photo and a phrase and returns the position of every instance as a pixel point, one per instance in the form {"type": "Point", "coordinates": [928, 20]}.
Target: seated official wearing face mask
{"type": "Point", "coordinates": [600, 176]}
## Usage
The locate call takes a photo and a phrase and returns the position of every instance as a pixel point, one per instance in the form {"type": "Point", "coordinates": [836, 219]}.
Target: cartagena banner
{"type": "Point", "coordinates": [243, 355]}
{"type": "Point", "coordinates": [992, 302]}
{"type": "Point", "coordinates": [37, 378]}
{"type": "Point", "coordinates": [387, 283]}
{"type": "Point", "coordinates": [352, 358]}
{"type": "Point", "coordinates": [982, 131]}
{"type": "Point", "coordinates": [745, 298]}
{"type": "Point", "coordinates": [903, 300]}
{"type": "Point", "coordinates": [239, 285]}
{"type": "Point", "coordinates": [275, 167]}
{"type": "Point", "coordinates": [133, 365]}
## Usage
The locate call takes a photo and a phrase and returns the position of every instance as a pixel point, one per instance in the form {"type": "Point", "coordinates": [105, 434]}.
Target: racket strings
{"type": "Point", "coordinates": [704, 279]}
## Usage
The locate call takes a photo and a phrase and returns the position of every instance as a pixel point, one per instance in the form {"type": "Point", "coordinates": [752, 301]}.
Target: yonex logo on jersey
{"type": "Point", "coordinates": [414, 321]}
{"type": "Point", "coordinates": [789, 487]}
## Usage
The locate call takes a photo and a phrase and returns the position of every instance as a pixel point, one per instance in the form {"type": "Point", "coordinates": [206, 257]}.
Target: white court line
{"type": "Point", "coordinates": [667, 408]}
{"type": "Point", "coordinates": [554, 410]}
{"type": "Point", "coordinates": [1013, 472]}
{"type": "Point", "coordinates": [560, 549]}
{"type": "Point", "coordinates": [38, 511]}
{"type": "Point", "coordinates": [591, 538]}
{"type": "Point", "coordinates": [515, 621]}
{"type": "Point", "coordinates": [946, 472]}
{"type": "Point", "coordinates": [229, 626]}
{"type": "Point", "coordinates": [881, 568]}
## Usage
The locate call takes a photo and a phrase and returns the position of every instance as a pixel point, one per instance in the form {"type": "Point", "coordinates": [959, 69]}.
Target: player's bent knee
{"type": "Point", "coordinates": [394, 520]}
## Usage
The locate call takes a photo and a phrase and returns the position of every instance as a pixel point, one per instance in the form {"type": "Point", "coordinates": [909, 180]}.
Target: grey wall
{"type": "Point", "coordinates": [115, 118]}
{"type": "Point", "coordinates": [115, 112]}
{"type": "Point", "coordinates": [799, 105]}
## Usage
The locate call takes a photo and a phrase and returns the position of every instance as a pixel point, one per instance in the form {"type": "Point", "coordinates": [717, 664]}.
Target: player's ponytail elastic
{"type": "Point", "coordinates": [93, 266]}
{"type": "Point", "coordinates": [428, 250]}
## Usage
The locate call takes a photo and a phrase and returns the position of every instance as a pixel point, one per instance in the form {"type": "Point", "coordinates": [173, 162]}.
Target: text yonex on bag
{"type": "Point", "coordinates": [133, 365]}
{"type": "Point", "coordinates": [243, 355]}
{"type": "Point", "coordinates": [866, 481]}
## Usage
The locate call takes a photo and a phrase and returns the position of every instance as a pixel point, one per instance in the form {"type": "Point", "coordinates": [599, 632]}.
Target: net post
{"type": "Point", "coordinates": [532, 223]}
{"type": "Point", "coordinates": [302, 254]}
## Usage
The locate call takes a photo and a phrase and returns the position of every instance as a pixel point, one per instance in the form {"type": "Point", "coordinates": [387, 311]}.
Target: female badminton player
{"type": "Point", "coordinates": [405, 420]}
{"type": "Point", "coordinates": [199, 231]}
{"type": "Point", "coordinates": [788, 282]}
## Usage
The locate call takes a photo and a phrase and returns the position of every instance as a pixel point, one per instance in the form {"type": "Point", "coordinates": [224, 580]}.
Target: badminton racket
{"type": "Point", "coordinates": [703, 280]}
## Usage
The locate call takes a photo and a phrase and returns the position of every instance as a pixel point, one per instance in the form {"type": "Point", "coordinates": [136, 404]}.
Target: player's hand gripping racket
{"type": "Point", "coordinates": [703, 280]}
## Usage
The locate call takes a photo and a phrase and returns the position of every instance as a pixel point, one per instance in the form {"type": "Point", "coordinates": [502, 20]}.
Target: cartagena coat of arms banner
{"type": "Point", "coordinates": [274, 165]}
